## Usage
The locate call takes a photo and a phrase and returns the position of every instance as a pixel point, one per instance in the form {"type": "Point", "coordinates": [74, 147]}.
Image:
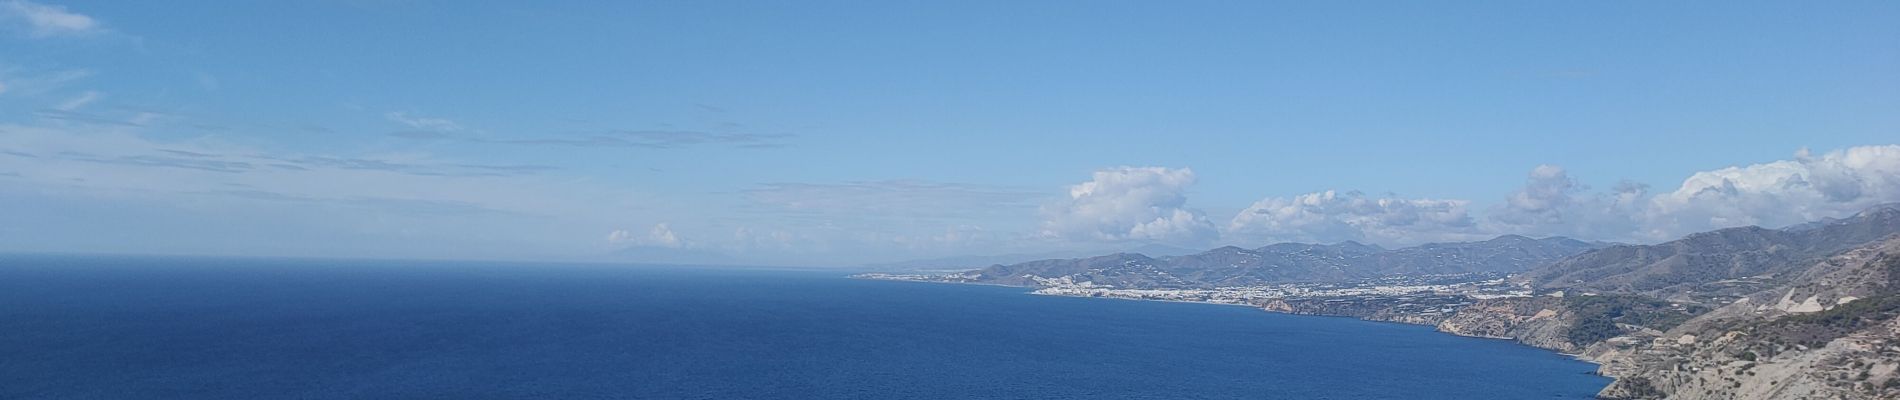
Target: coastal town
{"type": "Point", "coordinates": [1411, 299]}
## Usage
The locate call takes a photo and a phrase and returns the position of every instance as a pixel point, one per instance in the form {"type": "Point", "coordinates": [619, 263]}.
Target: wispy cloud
{"type": "Point", "coordinates": [196, 163]}
{"type": "Point", "coordinates": [169, 158]}
{"type": "Point", "coordinates": [437, 128]}
{"type": "Point", "coordinates": [411, 206]}
{"type": "Point", "coordinates": [131, 151]}
{"type": "Point", "coordinates": [19, 81]}
{"type": "Point", "coordinates": [425, 124]}
{"type": "Point", "coordinates": [649, 139]}
{"type": "Point", "coordinates": [673, 139]}
{"type": "Point", "coordinates": [396, 194]}
{"type": "Point", "coordinates": [41, 20]}
{"type": "Point", "coordinates": [424, 169]}
{"type": "Point", "coordinates": [79, 101]}
{"type": "Point", "coordinates": [893, 198]}
{"type": "Point", "coordinates": [136, 120]}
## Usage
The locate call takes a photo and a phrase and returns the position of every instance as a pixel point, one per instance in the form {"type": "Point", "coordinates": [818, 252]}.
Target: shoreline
{"type": "Point", "coordinates": [1032, 292]}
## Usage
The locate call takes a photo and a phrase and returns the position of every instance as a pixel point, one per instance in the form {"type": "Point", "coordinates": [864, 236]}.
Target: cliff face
{"type": "Point", "coordinates": [1828, 328]}
{"type": "Point", "coordinates": [1832, 334]}
{"type": "Point", "coordinates": [1538, 321]}
{"type": "Point", "coordinates": [1417, 310]}
{"type": "Point", "coordinates": [1860, 365]}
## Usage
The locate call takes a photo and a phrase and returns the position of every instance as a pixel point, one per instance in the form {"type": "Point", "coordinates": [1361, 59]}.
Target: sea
{"type": "Point", "coordinates": [143, 327]}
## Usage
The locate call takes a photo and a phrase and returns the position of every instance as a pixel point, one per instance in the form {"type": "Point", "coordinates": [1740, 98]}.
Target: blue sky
{"type": "Point", "coordinates": [820, 133]}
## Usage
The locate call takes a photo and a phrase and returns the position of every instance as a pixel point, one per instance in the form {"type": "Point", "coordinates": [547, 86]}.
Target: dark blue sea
{"type": "Point", "coordinates": [111, 327]}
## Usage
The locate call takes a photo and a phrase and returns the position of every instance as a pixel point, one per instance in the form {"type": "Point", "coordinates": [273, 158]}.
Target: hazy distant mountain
{"type": "Point", "coordinates": [968, 262]}
{"type": "Point", "coordinates": [1290, 262]}
{"type": "Point", "coordinates": [1709, 263]}
{"type": "Point", "coordinates": [1129, 267]}
{"type": "Point", "coordinates": [1504, 254]}
{"type": "Point", "coordinates": [965, 262]}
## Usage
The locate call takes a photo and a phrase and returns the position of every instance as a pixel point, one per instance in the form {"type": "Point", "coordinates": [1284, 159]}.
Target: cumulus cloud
{"type": "Point", "coordinates": [1333, 216]}
{"type": "Point", "coordinates": [660, 236]}
{"type": "Point", "coordinates": [1544, 197]}
{"type": "Point", "coordinates": [1130, 203]}
{"type": "Point", "coordinates": [1806, 188]}
{"type": "Point", "coordinates": [1785, 192]}
{"type": "Point", "coordinates": [42, 20]}
{"type": "Point", "coordinates": [1551, 203]}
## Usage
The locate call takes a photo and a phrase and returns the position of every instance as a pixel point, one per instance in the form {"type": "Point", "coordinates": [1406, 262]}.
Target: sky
{"type": "Point", "coordinates": [842, 133]}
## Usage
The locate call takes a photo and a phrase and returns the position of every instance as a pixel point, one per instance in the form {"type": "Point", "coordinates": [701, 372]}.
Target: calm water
{"type": "Point", "coordinates": [118, 327]}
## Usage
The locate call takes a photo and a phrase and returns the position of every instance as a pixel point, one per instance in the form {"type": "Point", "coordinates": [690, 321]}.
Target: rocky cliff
{"type": "Point", "coordinates": [1540, 321]}
{"type": "Point", "coordinates": [1833, 334]}
{"type": "Point", "coordinates": [1746, 313]}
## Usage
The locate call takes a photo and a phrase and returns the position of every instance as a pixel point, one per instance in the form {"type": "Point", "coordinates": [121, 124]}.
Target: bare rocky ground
{"type": "Point", "coordinates": [1830, 333]}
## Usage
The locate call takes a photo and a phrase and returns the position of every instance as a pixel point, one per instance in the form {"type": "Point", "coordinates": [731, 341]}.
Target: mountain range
{"type": "Point", "coordinates": [1805, 311]}
{"type": "Point", "coordinates": [959, 263]}
{"type": "Point", "coordinates": [1289, 263]}
{"type": "Point", "coordinates": [1717, 264]}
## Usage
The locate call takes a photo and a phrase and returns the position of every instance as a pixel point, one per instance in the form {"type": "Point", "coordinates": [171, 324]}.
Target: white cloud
{"type": "Point", "coordinates": [1544, 196]}
{"type": "Point", "coordinates": [660, 236]}
{"type": "Point", "coordinates": [1130, 203]}
{"type": "Point", "coordinates": [1779, 193]}
{"type": "Point", "coordinates": [42, 20]}
{"type": "Point", "coordinates": [1332, 216]}
{"type": "Point", "coordinates": [1553, 203]}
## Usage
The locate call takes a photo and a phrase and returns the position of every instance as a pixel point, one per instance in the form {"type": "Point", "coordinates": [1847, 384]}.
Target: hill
{"type": "Point", "coordinates": [1287, 263]}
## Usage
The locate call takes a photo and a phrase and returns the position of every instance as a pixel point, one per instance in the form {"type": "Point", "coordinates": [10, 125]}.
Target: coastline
{"type": "Point", "coordinates": [1033, 292]}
